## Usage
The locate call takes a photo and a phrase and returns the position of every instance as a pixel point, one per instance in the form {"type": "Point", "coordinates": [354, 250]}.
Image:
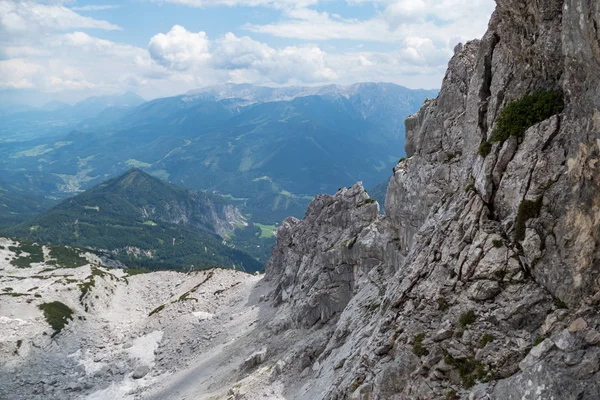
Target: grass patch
{"type": "Point", "coordinates": [485, 339]}
{"type": "Point", "coordinates": [157, 310]}
{"type": "Point", "coordinates": [522, 114]}
{"type": "Point", "coordinates": [66, 257]}
{"type": "Point", "coordinates": [266, 231]}
{"type": "Point", "coordinates": [135, 271]}
{"type": "Point", "coordinates": [35, 255]}
{"type": "Point", "coordinates": [497, 243]}
{"type": "Point", "coordinates": [14, 294]}
{"type": "Point", "coordinates": [527, 209]}
{"type": "Point", "coordinates": [19, 344]}
{"type": "Point", "coordinates": [442, 304]}
{"type": "Point", "coordinates": [368, 201]}
{"type": "Point", "coordinates": [57, 315]}
{"type": "Point", "coordinates": [538, 340]}
{"type": "Point", "coordinates": [90, 282]}
{"type": "Point", "coordinates": [484, 149]}
{"type": "Point", "coordinates": [418, 347]}
{"type": "Point", "coordinates": [469, 369]}
{"type": "Point", "coordinates": [467, 318]}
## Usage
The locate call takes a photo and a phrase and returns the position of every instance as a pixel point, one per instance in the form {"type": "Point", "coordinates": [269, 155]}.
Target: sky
{"type": "Point", "coordinates": [68, 50]}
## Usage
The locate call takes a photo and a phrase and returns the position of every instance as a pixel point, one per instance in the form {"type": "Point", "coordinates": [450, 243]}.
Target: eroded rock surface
{"type": "Point", "coordinates": [443, 296]}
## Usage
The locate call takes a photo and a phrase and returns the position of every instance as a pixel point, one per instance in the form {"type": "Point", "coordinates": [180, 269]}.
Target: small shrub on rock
{"type": "Point", "coordinates": [467, 318]}
{"type": "Point", "coordinates": [418, 347]}
{"type": "Point", "coordinates": [522, 114]}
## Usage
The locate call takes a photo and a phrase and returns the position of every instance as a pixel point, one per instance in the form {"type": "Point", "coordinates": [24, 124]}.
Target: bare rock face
{"type": "Point", "coordinates": [447, 294]}
{"type": "Point", "coordinates": [327, 236]}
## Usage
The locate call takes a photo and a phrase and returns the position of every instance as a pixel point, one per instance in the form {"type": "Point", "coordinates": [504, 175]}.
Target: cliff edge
{"type": "Point", "coordinates": [482, 280]}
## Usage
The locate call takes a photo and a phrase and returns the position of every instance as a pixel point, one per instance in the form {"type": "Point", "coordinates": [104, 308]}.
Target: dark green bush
{"type": "Point", "coordinates": [418, 347]}
{"type": "Point", "coordinates": [36, 255]}
{"type": "Point", "coordinates": [467, 318]}
{"type": "Point", "coordinates": [485, 339]}
{"type": "Point", "coordinates": [560, 304]}
{"type": "Point", "coordinates": [57, 315]}
{"type": "Point", "coordinates": [442, 304]}
{"type": "Point", "coordinates": [469, 369]}
{"type": "Point", "coordinates": [520, 115]}
{"type": "Point", "coordinates": [66, 257]}
{"type": "Point", "coordinates": [527, 209]}
{"type": "Point", "coordinates": [484, 149]}
{"type": "Point", "coordinates": [368, 201]}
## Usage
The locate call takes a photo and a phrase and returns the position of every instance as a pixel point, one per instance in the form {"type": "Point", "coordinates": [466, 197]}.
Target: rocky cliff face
{"type": "Point", "coordinates": [483, 278]}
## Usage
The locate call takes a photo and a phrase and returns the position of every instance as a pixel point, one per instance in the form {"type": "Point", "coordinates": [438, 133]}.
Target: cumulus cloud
{"type": "Point", "coordinates": [48, 47]}
{"type": "Point", "coordinates": [179, 49]}
{"type": "Point", "coordinates": [234, 53]}
{"type": "Point", "coordinates": [29, 18]}
{"type": "Point", "coordinates": [290, 64]}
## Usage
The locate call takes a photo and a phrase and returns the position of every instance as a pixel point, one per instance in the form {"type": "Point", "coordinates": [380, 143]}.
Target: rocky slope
{"type": "Point", "coordinates": [482, 279]}
{"type": "Point", "coordinates": [480, 282]}
{"type": "Point", "coordinates": [125, 332]}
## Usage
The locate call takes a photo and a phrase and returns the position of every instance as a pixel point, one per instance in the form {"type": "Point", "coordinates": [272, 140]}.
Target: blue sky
{"type": "Point", "coordinates": [68, 50]}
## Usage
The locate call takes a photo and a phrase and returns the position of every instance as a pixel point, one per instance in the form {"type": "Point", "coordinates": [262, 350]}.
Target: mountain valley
{"type": "Point", "coordinates": [273, 149]}
{"type": "Point", "coordinates": [477, 277]}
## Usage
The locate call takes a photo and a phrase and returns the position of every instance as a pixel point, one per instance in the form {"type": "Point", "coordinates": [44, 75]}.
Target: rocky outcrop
{"type": "Point", "coordinates": [483, 278]}
{"type": "Point", "coordinates": [333, 235]}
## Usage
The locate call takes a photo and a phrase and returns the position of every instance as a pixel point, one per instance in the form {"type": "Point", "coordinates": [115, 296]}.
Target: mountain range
{"type": "Point", "coordinates": [272, 149]}
{"type": "Point", "coordinates": [57, 118]}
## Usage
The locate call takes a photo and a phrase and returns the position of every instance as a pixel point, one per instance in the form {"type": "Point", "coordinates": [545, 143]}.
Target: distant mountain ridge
{"type": "Point", "coordinates": [55, 117]}
{"type": "Point", "coordinates": [144, 221]}
{"type": "Point", "coordinates": [271, 148]}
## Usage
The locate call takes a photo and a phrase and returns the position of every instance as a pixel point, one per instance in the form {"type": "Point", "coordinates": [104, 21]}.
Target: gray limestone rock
{"type": "Point", "coordinates": [446, 263]}
{"type": "Point", "coordinates": [140, 371]}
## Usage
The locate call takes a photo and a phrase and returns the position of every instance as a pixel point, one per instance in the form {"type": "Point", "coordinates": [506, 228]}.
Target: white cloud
{"type": "Point", "coordinates": [244, 3]}
{"type": "Point", "coordinates": [290, 64]}
{"type": "Point", "coordinates": [30, 18]}
{"type": "Point", "coordinates": [179, 49]}
{"type": "Point", "coordinates": [17, 74]}
{"type": "Point", "coordinates": [439, 20]}
{"type": "Point", "coordinates": [98, 7]}
{"type": "Point", "coordinates": [45, 48]}
{"type": "Point", "coordinates": [234, 53]}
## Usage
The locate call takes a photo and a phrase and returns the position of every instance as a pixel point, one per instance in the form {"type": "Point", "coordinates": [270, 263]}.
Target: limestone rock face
{"type": "Point", "coordinates": [333, 235]}
{"type": "Point", "coordinates": [442, 296]}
